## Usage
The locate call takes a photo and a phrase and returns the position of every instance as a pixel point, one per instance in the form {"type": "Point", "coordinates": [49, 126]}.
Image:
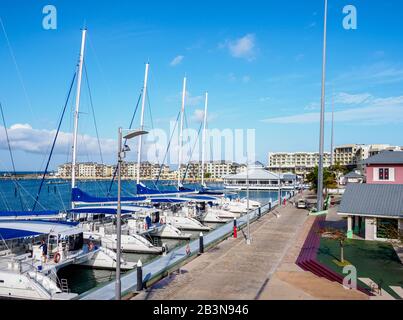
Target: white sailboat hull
{"type": "Point", "coordinates": [106, 259]}
{"type": "Point", "coordinates": [168, 231]}
{"type": "Point", "coordinates": [186, 223]}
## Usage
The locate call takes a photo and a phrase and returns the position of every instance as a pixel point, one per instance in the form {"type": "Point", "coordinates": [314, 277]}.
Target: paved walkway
{"type": "Point", "coordinates": [264, 270]}
{"type": "Point", "coordinates": [292, 282]}
{"type": "Point", "coordinates": [233, 269]}
{"type": "Point", "coordinates": [164, 263]}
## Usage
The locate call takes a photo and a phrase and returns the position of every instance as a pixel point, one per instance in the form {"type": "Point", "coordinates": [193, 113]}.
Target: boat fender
{"type": "Point", "coordinates": [164, 248]}
{"type": "Point", "coordinates": [56, 259]}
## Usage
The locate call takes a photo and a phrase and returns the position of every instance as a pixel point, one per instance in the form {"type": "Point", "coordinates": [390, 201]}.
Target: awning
{"type": "Point", "coordinates": [21, 229]}
{"type": "Point", "coordinates": [77, 195]}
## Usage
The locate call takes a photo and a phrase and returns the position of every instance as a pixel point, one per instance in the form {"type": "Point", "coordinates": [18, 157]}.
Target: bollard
{"type": "Point", "coordinates": [235, 229]}
{"type": "Point", "coordinates": [201, 245]}
{"type": "Point", "coordinates": [164, 249]}
{"type": "Point", "coordinates": [270, 206]}
{"type": "Point", "coordinates": [259, 212]}
{"type": "Point", "coordinates": [139, 276]}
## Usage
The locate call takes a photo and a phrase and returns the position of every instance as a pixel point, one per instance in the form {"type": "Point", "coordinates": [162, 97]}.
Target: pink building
{"type": "Point", "coordinates": [385, 168]}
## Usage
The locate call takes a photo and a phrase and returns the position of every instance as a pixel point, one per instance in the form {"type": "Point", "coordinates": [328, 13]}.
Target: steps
{"type": "Point", "coordinates": [307, 258]}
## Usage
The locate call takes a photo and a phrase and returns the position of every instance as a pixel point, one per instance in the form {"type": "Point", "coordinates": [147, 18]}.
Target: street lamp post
{"type": "Point", "coordinates": [279, 190]}
{"type": "Point", "coordinates": [322, 118]}
{"type": "Point", "coordinates": [121, 155]}
{"type": "Point", "coordinates": [248, 239]}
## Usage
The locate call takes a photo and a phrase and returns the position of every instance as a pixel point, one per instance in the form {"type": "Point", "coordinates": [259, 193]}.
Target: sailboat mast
{"type": "Point", "coordinates": [77, 109]}
{"type": "Point", "coordinates": [204, 138]}
{"type": "Point", "coordinates": [143, 101]}
{"type": "Point", "coordinates": [332, 134]}
{"type": "Point", "coordinates": [181, 132]}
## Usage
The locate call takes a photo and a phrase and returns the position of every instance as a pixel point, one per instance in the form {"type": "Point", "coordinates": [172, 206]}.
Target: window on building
{"type": "Point", "coordinates": [386, 174]}
{"type": "Point", "coordinates": [381, 174]}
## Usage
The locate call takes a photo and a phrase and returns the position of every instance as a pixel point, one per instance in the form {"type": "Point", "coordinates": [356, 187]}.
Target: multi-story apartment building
{"type": "Point", "coordinates": [64, 170]}
{"type": "Point", "coordinates": [348, 154]}
{"type": "Point", "coordinates": [108, 170]}
{"type": "Point", "coordinates": [354, 155]}
{"type": "Point", "coordinates": [300, 163]}
{"type": "Point", "coordinates": [193, 170]}
{"type": "Point", "coordinates": [212, 169]}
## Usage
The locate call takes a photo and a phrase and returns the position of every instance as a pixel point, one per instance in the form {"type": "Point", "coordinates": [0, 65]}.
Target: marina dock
{"type": "Point", "coordinates": [159, 268]}
{"type": "Point", "coordinates": [264, 270]}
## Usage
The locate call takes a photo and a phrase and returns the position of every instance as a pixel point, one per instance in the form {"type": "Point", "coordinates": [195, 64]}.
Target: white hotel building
{"type": "Point", "coordinates": [300, 163]}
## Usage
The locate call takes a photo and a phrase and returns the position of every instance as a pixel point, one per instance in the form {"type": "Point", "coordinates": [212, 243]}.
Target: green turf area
{"type": "Point", "coordinates": [375, 260]}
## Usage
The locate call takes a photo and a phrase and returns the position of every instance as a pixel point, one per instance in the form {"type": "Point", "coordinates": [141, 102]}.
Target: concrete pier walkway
{"type": "Point", "coordinates": [234, 269]}
{"type": "Point", "coordinates": [164, 264]}
{"type": "Point", "coordinates": [264, 270]}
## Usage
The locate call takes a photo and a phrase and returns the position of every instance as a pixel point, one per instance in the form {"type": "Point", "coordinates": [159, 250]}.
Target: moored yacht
{"type": "Point", "coordinates": [25, 272]}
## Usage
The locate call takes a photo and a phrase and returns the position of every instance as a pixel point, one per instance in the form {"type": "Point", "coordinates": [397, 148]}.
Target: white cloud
{"type": "Point", "coordinates": [198, 116]}
{"type": "Point", "coordinates": [345, 98]}
{"type": "Point", "coordinates": [25, 138]}
{"type": "Point", "coordinates": [264, 99]}
{"type": "Point", "coordinates": [245, 79]}
{"type": "Point", "coordinates": [375, 74]}
{"type": "Point", "coordinates": [193, 101]}
{"type": "Point", "coordinates": [244, 47]}
{"type": "Point", "coordinates": [312, 106]}
{"type": "Point", "coordinates": [373, 111]}
{"type": "Point", "coordinates": [177, 60]}
{"type": "Point", "coordinates": [190, 100]}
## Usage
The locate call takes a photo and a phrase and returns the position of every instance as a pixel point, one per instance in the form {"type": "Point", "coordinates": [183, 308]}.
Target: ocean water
{"type": "Point", "coordinates": [56, 195]}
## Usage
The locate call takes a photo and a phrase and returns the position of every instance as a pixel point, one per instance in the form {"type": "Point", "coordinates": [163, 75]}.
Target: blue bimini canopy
{"type": "Point", "coordinates": [167, 200]}
{"type": "Point", "coordinates": [28, 214]}
{"type": "Point", "coordinates": [143, 190]}
{"type": "Point", "coordinates": [198, 198]}
{"type": "Point", "coordinates": [183, 189]}
{"type": "Point", "coordinates": [212, 191]}
{"type": "Point", "coordinates": [77, 195]}
{"type": "Point", "coordinates": [15, 229]}
{"type": "Point", "coordinates": [98, 210]}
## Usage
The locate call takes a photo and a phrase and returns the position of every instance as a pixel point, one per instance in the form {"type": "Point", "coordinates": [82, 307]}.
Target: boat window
{"type": "Point", "coordinates": [76, 242]}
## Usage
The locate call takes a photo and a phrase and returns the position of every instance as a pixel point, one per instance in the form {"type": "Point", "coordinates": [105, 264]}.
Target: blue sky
{"type": "Point", "coordinates": [260, 61]}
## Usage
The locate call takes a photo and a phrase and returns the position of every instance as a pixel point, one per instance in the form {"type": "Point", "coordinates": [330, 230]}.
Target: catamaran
{"type": "Point", "coordinates": [27, 271]}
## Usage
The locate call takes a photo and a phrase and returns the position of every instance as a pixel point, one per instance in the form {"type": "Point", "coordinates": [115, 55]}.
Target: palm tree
{"type": "Point", "coordinates": [329, 179]}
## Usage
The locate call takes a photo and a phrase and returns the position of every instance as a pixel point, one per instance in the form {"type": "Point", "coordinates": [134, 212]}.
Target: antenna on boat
{"type": "Point", "coordinates": [181, 133]}
{"type": "Point", "coordinates": [204, 138]}
{"type": "Point", "coordinates": [143, 101]}
{"type": "Point", "coordinates": [76, 112]}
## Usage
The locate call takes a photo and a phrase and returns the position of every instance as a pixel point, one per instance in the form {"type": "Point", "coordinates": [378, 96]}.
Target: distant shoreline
{"type": "Point", "coordinates": [38, 176]}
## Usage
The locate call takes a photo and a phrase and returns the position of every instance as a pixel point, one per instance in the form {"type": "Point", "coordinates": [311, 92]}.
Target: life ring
{"type": "Point", "coordinates": [90, 246]}
{"type": "Point", "coordinates": [57, 257]}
